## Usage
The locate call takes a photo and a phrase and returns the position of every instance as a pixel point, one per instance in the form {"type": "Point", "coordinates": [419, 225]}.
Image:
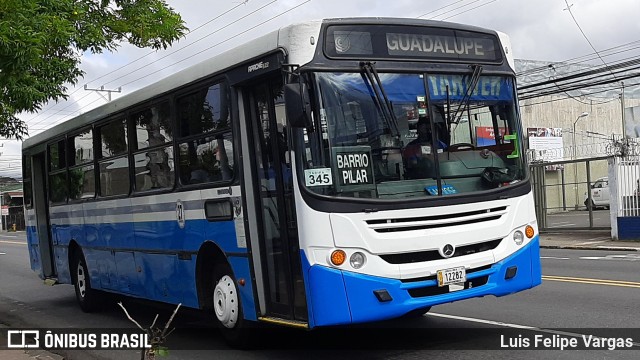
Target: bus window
{"type": "Point", "coordinates": [207, 155]}
{"type": "Point", "coordinates": [113, 168]}
{"type": "Point", "coordinates": [81, 172]}
{"type": "Point", "coordinates": [154, 169]}
{"type": "Point", "coordinates": [57, 173]}
{"type": "Point", "coordinates": [153, 126]}
{"type": "Point", "coordinates": [113, 137]}
{"type": "Point", "coordinates": [206, 160]}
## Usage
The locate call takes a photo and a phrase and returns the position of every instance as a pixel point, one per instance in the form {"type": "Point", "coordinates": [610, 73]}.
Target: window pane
{"type": "Point", "coordinates": [206, 160]}
{"type": "Point", "coordinates": [114, 177]}
{"type": "Point", "coordinates": [153, 126]}
{"type": "Point", "coordinates": [58, 187]}
{"type": "Point", "coordinates": [57, 156]}
{"type": "Point", "coordinates": [82, 146]}
{"type": "Point", "coordinates": [154, 169]}
{"type": "Point", "coordinates": [28, 195]}
{"type": "Point", "coordinates": [82, 183]}
{"type": "Point", "coordinates": [113, 137]}
{"type": "Point", "coordinates": [26, 167]}
{"type": "Point", "coordinates": [203, 111]}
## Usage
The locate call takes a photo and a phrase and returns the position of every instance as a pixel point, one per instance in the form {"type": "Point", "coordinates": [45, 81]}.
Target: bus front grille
{"type": "Point", "coordinates": [436, 290]}
{"type": "Point", "coordinates": [429, 255]}
{"type": "Point", "coordinates": [437, 221]}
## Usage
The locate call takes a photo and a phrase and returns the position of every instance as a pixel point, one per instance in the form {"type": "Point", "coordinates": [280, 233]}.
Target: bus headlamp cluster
{"type": "Point", "coordinates": [518, 236]}
{"type": "Point", "coordinates": [356, 260]}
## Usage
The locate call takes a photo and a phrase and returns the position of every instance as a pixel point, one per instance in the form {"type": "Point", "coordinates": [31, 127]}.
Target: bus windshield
{"type": "Point", "coordinates": [444, 134]}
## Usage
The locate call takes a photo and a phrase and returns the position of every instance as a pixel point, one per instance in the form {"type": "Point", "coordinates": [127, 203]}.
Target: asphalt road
{"type": "Point", "coordinates": [579, 218]}
{"type": "Point", "coordinates": [583, 292]}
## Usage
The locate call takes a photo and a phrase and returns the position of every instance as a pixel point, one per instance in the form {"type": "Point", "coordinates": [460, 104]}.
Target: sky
{"type": "Point", "coordinates": [539, 30]}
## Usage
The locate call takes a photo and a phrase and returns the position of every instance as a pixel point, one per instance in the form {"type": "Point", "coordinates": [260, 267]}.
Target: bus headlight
{"type": "Point", "coordinates": [518, 237]}
{"type": "Point", "coordinates": [357, 260]}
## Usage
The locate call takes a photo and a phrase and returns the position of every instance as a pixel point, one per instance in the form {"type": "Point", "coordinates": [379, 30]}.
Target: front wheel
{"type": "Point", "coordinates": [88, 298]}
{"type": "Point", "coordinates": [417, 313]}
{"type": "Point", "coordinates": [227, 307]}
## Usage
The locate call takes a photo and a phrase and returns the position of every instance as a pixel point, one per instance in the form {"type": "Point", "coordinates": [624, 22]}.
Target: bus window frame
{"type": "Point", "coordinates": [58, 171]}
{"type": "Point", "coordinates": [99, 159]}
{"type": "Point", "coordinates": [71, 149]}
{"type": "Point", "coordinates": [132, 146]}
{"type": "Point", "coordinates": [203, 86]}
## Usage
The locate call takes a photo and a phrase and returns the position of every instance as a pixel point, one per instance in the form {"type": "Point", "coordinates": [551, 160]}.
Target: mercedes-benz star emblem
{"type": "Point", "coordinates": [447, 251]}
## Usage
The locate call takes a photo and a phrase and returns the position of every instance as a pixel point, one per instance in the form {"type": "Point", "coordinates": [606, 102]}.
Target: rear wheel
{"type": "Point", "coordinates": [88, 298]}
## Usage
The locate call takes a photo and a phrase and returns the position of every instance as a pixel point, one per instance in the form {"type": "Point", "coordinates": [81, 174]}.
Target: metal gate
{"type": "Point", "coordinates": [572, 194]}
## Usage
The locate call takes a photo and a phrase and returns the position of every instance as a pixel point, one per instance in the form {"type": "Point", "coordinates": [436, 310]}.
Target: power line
{"type": "Point", "coordinates": [460, 13]}
{"type": "Point", "coordinates": [438, 9]}
{"type": "Point", "coordinates": [202, 38]}
{"type": "Point", "coordinates": [220, 43]}
{"type": "Point", "coordinates": [140, 58]}
{"type": "Point", "coordinates": [583, 34]}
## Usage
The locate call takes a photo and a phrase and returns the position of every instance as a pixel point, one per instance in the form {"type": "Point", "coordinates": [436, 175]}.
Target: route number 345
{"type": "Point", "coordinates": [318, 177]}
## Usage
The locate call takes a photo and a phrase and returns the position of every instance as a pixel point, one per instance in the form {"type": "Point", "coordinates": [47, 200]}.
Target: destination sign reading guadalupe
{"type": "Point", "coordinates": [411, 42]}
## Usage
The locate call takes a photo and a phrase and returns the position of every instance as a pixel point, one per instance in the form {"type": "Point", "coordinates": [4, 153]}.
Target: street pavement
{"type": "Point", "coordinates": [569, 240]}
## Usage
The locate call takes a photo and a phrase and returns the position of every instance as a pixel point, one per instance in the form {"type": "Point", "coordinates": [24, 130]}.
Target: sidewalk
{"type": "Point", "coordinates": [585, 240]}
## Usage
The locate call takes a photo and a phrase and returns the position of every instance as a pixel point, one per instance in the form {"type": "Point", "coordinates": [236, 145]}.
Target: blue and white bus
{"type": "Point", "coordinates": [333, 172]}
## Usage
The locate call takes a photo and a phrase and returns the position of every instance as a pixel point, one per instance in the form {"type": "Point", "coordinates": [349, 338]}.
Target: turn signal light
{"type": "Point", "coordinates": [529, 231]}
{"type": "Point", "coordinates": [338, 257]}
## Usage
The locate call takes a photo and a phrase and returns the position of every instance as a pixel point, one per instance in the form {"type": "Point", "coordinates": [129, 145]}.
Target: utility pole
{"type": "Point", "coordinates": [624, 125]}
{"type": "Point", "coordinates": [102, 89]}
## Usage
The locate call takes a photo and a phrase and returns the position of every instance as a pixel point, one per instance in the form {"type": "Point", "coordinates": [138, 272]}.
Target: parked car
{"type": "Point", "coordinates": [599, 194]}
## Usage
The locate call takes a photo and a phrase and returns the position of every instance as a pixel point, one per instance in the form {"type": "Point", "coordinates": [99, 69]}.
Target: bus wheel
{"type": "Point", "coordinates": [88, 298]}
{"type": "Point", "coordinates": [227, 308]}
{"type": "Point", "coordinates": [413, 314]}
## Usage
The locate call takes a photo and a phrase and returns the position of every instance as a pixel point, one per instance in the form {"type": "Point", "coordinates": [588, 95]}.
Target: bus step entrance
{"type": "Point", "coordinates": [285, 322]}
{"type": "Point", "coordinates": [51, 281]}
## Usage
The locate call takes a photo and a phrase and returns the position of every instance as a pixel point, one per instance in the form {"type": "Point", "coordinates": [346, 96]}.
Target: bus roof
{"type": "Point", "coordinates": [293, 35]}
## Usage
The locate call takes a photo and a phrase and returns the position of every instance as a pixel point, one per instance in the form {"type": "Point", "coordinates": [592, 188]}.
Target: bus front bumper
{"type": "Point", "coordinates": [338, 297]}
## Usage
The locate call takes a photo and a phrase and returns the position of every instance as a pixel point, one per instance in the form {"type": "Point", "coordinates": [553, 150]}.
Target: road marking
{"type": "Point", "coordinates": [515, 326]}
{"type": "Point", "coordinates": [591, 242]}
{"type": "Point", "coordinates": [553, 257]}
{"type": "Point", "coordinates": [13, 242]}
{"type": "Point", "coordinates": [561, 225]}
{"type": "Point", "coordinates": [628, 257]}
{"type": "Point", "coordinates": [620, 248]}
{"type": "Point", "coordinates": [620, 283]}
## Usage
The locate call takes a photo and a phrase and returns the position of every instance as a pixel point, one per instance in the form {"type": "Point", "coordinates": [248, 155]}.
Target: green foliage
{"type": "Point", "coordinates": [41, 42]}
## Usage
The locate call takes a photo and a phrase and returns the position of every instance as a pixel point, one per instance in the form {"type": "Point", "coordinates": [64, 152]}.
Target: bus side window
{"type": "Point", "coordinates": [113, 163]}
{"type": "Point", "coordinates": [154, 165]}
{"type": "Point", "coordinates": [207, 155]}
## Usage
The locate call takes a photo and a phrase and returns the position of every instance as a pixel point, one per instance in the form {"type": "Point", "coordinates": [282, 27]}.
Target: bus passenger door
{"type": "Point", "coordinates": [41, 245]}
{"type": "Point", "coordinates": [274, 201]}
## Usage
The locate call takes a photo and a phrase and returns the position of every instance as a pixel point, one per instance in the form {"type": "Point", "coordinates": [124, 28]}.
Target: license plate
{"type": "Point", "coordinates": [452, 276]}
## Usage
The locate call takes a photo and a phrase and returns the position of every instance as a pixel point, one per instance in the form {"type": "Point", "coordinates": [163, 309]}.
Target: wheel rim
{"type": "Point", "coordinates": [225, 302]}
{"type": "Point", "coordinates": [81, 280]}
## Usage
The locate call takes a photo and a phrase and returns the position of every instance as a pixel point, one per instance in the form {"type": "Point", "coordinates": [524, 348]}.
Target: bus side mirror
{"type": "Point", "coordinates": [296, 98]}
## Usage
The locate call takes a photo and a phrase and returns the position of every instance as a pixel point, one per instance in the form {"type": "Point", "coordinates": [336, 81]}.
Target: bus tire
{"type": "Point", "coordinates": [417, 313]}
{"type": "Point", "coordinates": [88, 298]}
{"type": "Point", "coordinates": [227, 307]}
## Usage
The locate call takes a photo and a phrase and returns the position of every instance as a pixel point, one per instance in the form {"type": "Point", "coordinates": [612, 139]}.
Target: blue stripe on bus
{"type": "Point", "coordinates": [144, 262]}
{"type": "Point", "coordinates": [341, 297]}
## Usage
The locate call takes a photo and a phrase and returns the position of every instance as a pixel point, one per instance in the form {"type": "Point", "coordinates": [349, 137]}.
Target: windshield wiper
{"type": "Point", "coordinates": [381, 99]}
{"type": "Point", "coordinates": [464, 103]}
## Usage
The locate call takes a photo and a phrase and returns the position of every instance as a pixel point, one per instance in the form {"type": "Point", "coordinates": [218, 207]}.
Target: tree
{"type": "Point", "coordinates": [42, 41]}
